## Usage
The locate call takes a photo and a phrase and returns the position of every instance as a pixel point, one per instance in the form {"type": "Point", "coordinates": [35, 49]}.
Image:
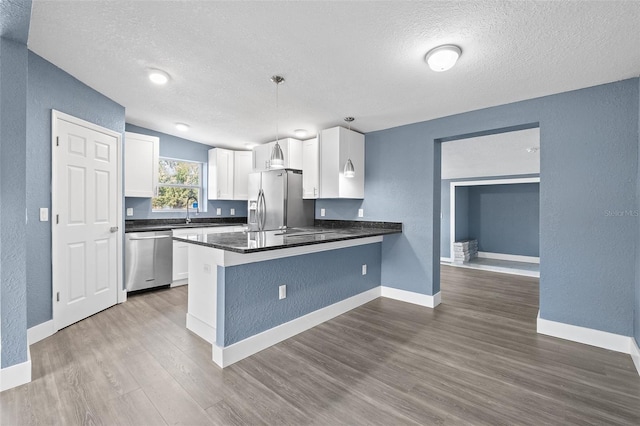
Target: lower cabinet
{"type": "Point", "coordinates": [181, 250]}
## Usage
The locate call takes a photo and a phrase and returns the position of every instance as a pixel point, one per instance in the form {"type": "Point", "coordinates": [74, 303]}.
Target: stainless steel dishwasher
{"type": "Point", "coordinates": [148, 260]}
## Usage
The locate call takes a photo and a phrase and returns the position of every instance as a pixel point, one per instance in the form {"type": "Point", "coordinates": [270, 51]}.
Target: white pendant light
{"type": "Point", "coordinates": [277, 157]}
{"type": "Point", "coordinates": [349, 170]}
{"type": "Point", "coordinates": [443, 58]}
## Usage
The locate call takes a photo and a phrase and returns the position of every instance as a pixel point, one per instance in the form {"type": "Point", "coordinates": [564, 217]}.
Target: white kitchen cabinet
{"type": "Point", "coordinates": [291, 149]}
{"type": "Point", "coordinates": [310, 169]}
{"type": "Point", "coordinates": [181, 249]}
{"type": "Point", "coordinates": [220, 179]}
{"type": "Point", "coordinates": [336, 146]}
{"type": "Point", "coordinates": [141, 155]}
{"type": "Point", "coordinates": [242, 166]}
{"type": "Point", "coordinates": [181, 254]}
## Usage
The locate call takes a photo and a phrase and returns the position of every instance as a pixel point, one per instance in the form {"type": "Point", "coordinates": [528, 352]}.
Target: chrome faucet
{"type": "Point", "coordinates": [188, 220]}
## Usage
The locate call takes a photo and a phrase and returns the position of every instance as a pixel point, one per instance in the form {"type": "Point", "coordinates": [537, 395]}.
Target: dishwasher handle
{"type": "Point", "coordinates": [157, 237]}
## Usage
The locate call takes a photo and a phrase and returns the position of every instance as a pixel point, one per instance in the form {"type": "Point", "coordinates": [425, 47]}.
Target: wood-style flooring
{"type": "Point", "coordinates": [476, 359]}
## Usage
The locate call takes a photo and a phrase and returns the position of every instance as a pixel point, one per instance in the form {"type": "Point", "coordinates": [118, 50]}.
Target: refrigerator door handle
{"type": "Point", "coordinates": [262, 207]}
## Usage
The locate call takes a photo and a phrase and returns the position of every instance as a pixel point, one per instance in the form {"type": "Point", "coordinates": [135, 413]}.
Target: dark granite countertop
{"type": "Point", "coordinates": [144, 225]}
{"type": "Point", "coordinates": [323, 232]}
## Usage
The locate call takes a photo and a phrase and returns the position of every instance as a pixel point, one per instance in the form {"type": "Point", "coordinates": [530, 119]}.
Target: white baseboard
{"type": "Point", "coordinates": [201, 328]}
{"type": "Point", "coordinates": [16, 375]}
{"type": "Point", "coordinates": [588, 336]}
{"type": "Point", "coordinates": [411, 297]}
{"type": "Point", "coordinates": [122, 296]}
{"type": "Point", "coordinates": [178, 283]}
{"type": "Point", "coordinates": [225, 356]}
{"type": "Point", "coordinates": [635, 353]}
{"type": "Point", "coordinates": [446, 259]}
{"type": "Point", "coordinates": [40, 331]}
{"type": "Point", "coordinates": [511, 257]}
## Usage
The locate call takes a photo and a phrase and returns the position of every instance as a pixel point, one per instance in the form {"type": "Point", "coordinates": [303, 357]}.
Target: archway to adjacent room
{"type": "Point", "coordinates": [489, 198]}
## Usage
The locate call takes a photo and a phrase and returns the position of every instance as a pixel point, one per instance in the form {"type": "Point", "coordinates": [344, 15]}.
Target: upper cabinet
{"type": "Point", "coordinates": [336, 145]}
{"type": "Point", "coordinates": [220, 179]}
{"type": "Point", "coordinates": [141, 155]}
{"type": "Point", "coordinates": [310, 169]}
{"type": "Point", "coordinates": [291, 148]}
{"type": "Point", "coordinates": [241, 168]}
{"type": "Point", "coordinates": [228, 174]}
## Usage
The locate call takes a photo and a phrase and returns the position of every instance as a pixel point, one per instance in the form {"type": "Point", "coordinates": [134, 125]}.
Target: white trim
{"type": "Point", "coordinates": [201, 328]}
{"type": "Point", "coordinates": [232, 259]}
{"type": "Point", "coordinates": [55, 116]}
{"type": "Point", "coordinates": [588, 336]}
{"type": "Point", "coordinates": [452, 198]}
{"type": "Point", "coordinates": [635, 353]}
{"type": "Point", "coordinates": [225, 356]}
{"type": "Point", "coordinates": [178, 283]}
{"type": "Point", "coordinates": [511, 257]}
{"type": "Point", "coordinates": [40, 332]}
{"type": "Point", "coordinates": [498, 269]}
{"type": "Point", "coordinates": [16, 375]}
{"type": "Point", "coordinates": [411, 297]}
{"type": "Point", "coordinates": [446, 259]}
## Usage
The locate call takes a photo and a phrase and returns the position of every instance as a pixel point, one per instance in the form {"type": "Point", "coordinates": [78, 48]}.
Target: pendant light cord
{"type": "Point", "coordinates": [277, 112]}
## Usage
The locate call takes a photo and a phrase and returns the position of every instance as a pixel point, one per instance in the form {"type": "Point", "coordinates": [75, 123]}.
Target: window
{"type": "Point", "coordinates": [177, 181]}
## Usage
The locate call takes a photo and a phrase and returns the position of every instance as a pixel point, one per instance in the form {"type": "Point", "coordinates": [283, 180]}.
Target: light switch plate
{"type": "Point", "coordinates": [218, 211]}
{"type": "Point", "coordinates": [233, 212]}
{"type": "Point", "coordinates": [44, 214]}
{"type": "Point", "coordinates": [360, 212]}
{"type": "Point", "coordinates": [364, 269]}
{"type": "Point", "coordinates": [282, 292]}
{"type": "Point", "coordinates": [322, 212]}
{"type": "Point", "coordinates": [129, 211]}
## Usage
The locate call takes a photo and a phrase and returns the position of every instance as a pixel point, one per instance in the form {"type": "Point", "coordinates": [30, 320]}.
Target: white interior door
{"type": "Point", "coordinates": [86, 214]}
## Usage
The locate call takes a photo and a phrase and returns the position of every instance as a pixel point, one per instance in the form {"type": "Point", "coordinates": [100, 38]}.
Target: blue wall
{"type": "Point", "coordinates": [51, 88]}
{"type": "Point", "coordinates": [588, 139]}
{"type": "Point", "coordinates": [505, 218]}
{"type": "Point", "coordinates": [248, 294]}
{"type": "Point", "coordinates": [461, 213]}
{"type": "Point", "coordinates": [182, 149]}
{"type": "Point", "coordinates": [13, 267]}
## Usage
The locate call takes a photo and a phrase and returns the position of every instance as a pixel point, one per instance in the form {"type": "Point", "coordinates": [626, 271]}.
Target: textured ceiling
{"type": "Point", "coordinates": [364, 59]}
{"type": "Point", "coordinates": [503, 154]}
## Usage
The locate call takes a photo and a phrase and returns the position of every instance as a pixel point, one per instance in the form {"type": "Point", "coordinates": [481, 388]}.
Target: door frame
{"type": "Point", "coordinates": [452, 201]}
{"type": "Point", "coordinates": [55, 116]}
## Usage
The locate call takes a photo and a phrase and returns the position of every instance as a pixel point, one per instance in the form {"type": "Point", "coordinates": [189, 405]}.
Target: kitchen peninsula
{"type": "Point", "coordinates": [250, 290]}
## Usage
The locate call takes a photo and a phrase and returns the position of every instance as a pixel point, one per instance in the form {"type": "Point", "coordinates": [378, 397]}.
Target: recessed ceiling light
{"type": "Point", "coordinates": [300, 133]}
{"type": "Point", "coordinates": [443, 58]}
{"type": "Point", "coordinates": [158, 77]}
{"type": "Point", "coordinates": [182, 127]}
{"type": "Point", "coordinates": [532, 149]}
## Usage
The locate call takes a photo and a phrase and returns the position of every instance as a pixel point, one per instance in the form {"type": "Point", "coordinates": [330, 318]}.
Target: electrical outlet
{"type": "Point", "coordinates": [282, 292]}
{"type": "Point", "coordinates": [364, 269]}
{"type": "Point", "coordinates": [218, 211]}
{"type": "Point", "coordinates": [360, 212]}
{"type": "Point", "coordinates": [233, 212]}
{"type": "Point", "coordinates": [44, 214]}
{"type": "Point", "coordinates": [207, 268]}
{"type": "Point", "coordinates": [129, 211]}
{"type": "Point", "coordinates": [322, 212]}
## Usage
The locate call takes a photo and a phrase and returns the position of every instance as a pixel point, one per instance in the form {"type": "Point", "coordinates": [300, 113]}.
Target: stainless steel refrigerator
{"type": "Point", "coordinates": [275, 201]}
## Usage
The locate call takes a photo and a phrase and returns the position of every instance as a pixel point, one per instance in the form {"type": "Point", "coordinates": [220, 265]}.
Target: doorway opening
{"type": "Point", "coordinates": [490, 198]}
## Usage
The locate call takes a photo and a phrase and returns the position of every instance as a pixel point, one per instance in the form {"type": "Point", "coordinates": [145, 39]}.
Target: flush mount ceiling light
{"type": "Point", "coordinates": [443, 58]}
{"type": "Point", "coordinates": [182, 127]}
{"type": "Point", "coordinates": [277, 157]}
{"type": "Point", "coordinates": [349, 170]}
{"type": "Point", "coordinates": [158, 77]}
{"type": "Point", "coordinates": [250, 145]}
{"type": "Point", "coordinates": [532, 149]}
{"type": "Point", "coordinates": [300, 133]}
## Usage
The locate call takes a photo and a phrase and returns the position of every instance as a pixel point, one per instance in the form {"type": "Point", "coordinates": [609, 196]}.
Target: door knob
{"type": "Point", "coordinates": [113, 229]}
